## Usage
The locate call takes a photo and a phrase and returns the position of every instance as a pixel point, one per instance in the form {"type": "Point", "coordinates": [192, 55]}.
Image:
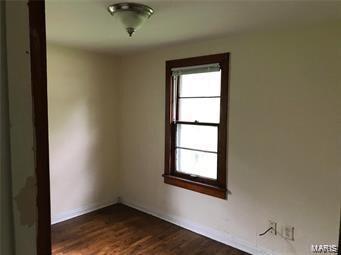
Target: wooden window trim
{"type": "Point", "coordinates": [217, 187]}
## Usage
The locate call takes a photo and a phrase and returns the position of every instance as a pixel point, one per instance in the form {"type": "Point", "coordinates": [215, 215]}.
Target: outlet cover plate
{"type": "Point", "coordinates": [289, 233]}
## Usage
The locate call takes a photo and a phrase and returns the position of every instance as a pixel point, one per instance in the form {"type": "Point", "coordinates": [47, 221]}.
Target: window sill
{"type": "Point", "coordinates": [195, 186]}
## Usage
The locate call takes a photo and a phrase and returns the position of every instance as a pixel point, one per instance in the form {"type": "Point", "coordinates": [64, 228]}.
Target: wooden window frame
{"type": "Point", "coordinates": [216, 188]}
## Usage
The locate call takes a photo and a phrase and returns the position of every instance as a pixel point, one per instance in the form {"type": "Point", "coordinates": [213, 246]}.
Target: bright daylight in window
{"type": "Point", "coordinates": [197, 114]}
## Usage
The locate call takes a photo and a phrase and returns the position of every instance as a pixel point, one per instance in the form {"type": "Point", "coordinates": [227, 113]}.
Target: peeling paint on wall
{"type": "Point", "coordinates": [25, 201]}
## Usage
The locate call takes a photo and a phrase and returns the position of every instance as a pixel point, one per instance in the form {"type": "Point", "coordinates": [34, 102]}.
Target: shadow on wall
{"type": "Point", "coordinates": [6, 213]}
{"type": "Point", "coordinates": [82, 105]}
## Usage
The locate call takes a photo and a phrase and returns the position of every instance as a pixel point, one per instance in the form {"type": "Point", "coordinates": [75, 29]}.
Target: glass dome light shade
{"type": "Point", "coordinates": [132, 15]}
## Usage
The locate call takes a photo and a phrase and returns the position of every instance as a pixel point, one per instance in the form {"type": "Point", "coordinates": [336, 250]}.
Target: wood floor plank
{"type": "Point", "coordinates": [121, 230]}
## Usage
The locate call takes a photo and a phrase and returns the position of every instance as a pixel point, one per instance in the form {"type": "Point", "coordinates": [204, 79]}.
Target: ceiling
{"type": "Point", "coordinates": [87, 23]}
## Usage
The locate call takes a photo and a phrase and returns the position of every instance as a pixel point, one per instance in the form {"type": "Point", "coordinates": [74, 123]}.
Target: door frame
{"type": "Point", "coordinates": [37, 32]}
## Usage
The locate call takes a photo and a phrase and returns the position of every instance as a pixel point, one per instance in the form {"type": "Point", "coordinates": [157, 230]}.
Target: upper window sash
{"type": "Point", "coordinates": [176, 71]}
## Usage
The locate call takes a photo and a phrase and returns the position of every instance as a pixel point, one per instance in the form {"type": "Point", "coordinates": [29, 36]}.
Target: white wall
{"type": "Point", "coordinates": [284, 139]}
{"type": "Point", "coordinates": [21, 131]}
{"type": "Point", "coordinates": [83, 132]}
{"type": "Point", "coordinates": [6, 221]}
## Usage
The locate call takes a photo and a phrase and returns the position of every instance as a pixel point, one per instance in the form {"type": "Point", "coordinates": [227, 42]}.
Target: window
{"type": "Point", "coordinates": [196, 123]}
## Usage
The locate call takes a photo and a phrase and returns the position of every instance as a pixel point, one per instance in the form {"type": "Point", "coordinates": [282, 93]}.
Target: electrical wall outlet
{"type": "Point", "coordinates": [273, 225]}
{"type": "Point", "coordinates": [289, 233]}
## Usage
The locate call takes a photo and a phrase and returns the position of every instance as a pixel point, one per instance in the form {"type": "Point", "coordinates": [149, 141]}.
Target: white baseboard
{"type": "Point", "coordinates": [80, 211]}
{"type": "Point", "coordinates": [205, 231]}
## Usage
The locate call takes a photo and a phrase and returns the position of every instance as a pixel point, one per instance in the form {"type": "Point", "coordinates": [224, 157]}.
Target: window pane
{"type": "Point", "coordinates": [197, 137]}
{"type": "Point", "coordinates": [197, 163]}
{"type": "Point", "coordinates": [199, 109]}
{"type": "Point", "coordinates": [200, 84]}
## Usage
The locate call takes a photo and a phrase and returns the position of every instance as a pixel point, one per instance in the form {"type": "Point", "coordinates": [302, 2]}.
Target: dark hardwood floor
{"type": "Point", "coordinates": [121, 230]}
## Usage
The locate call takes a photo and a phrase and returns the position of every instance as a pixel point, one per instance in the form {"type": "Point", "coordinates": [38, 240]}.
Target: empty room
{"type": "Point", "coordinates": [175, 127]}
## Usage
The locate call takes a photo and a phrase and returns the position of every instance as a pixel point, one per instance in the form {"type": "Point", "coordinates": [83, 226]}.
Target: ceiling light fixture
{"type": "Point", "coordinates": [132, 15]}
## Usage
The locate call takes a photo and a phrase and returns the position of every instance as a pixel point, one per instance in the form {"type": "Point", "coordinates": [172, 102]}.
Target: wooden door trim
{"type": "Point", "coordinates": [37, 30]}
